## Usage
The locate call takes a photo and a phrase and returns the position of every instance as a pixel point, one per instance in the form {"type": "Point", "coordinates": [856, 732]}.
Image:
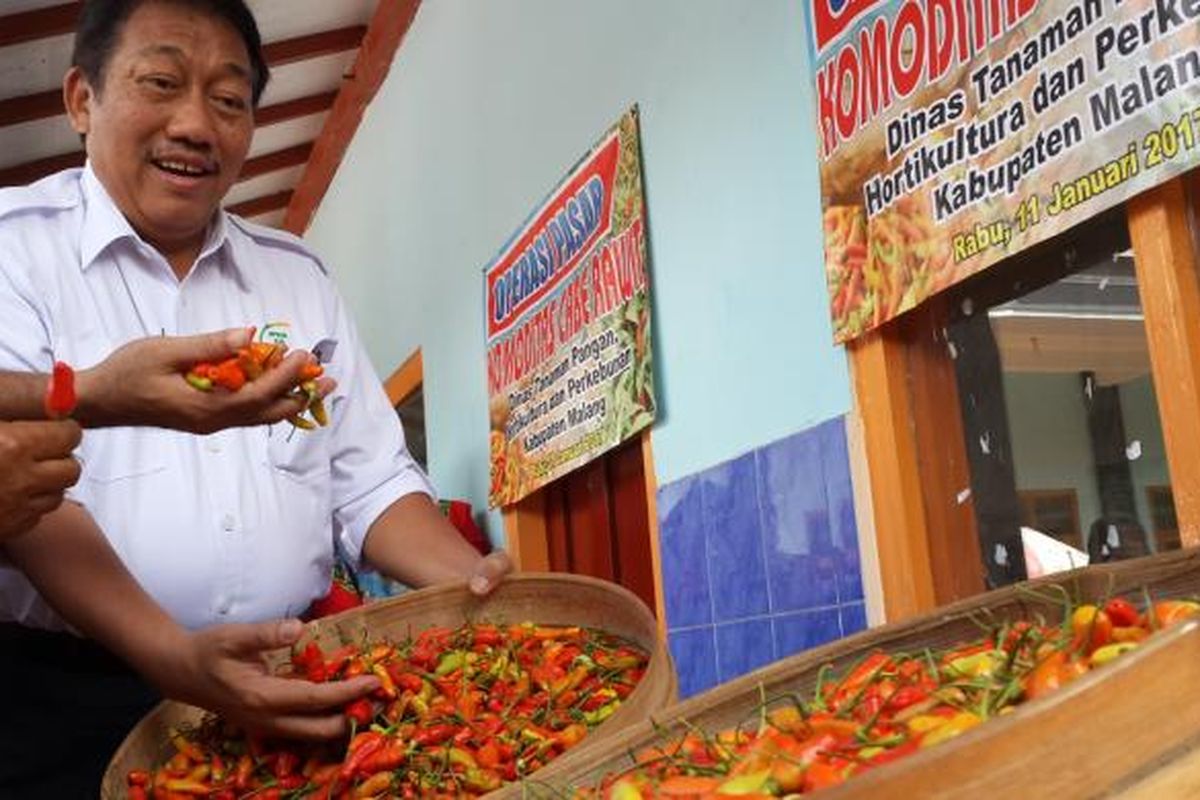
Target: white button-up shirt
{"type": "Point", "coordinates": [236, 526]}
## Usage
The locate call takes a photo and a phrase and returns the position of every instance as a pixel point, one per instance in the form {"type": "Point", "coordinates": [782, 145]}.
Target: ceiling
{"type": "Point", "coordinates": [313, 47]}
{"type": "Point", "coordinates": [1088, 321]}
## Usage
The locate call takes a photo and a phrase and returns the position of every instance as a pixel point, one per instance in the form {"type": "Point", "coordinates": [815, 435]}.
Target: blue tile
{"type": "Point", "coordinates": [854, 618]}
{"type": "Point", "coordinates": [695, 654]}
{"type": "Point", "coordinates": [743, 647]}
{"type": "Point", "coordinates": [805, 630]}
{"type": "Point", "coordinates": [802, 564]}
{"type": "Point", "coordinates": [733, 528]}
{"type": "Point", "coordinates": [839, 494]}
{"type": "Point", "coordinates": [684, 554]}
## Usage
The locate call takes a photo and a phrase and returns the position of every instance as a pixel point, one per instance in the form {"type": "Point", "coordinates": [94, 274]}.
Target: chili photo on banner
{"type": "Point", "coordinates": [953, 133]}
{"type": "Point", "coordinates": [568, 324]}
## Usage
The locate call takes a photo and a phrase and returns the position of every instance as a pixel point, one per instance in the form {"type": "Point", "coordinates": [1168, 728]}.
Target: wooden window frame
{"type": "Point", "coordinates": [407, 378]}
{"type": "Point", "coordinates": [528, 544]}
{"type": "Point", "coordinates": [911, 449]}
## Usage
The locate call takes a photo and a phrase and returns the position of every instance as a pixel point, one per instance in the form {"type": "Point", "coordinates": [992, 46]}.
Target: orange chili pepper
{"type": "Point", "coordinates": [229, 375]}
{"type": "Point", "coordinates": [386, 687]}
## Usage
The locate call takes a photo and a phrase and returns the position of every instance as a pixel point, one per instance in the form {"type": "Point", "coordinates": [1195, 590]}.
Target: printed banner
{"type": "Point", "coordinates": [568, 324]}
{"type": "Point", "coordinates": [953, 133]}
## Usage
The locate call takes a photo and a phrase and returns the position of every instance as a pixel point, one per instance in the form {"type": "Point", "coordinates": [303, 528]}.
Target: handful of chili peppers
{"type": "Point", "coordinates": [248, 364]}
{"type": "Point", "coordinates": [886, 707]}
{"type": "Point", "coordinates": [457, 714]}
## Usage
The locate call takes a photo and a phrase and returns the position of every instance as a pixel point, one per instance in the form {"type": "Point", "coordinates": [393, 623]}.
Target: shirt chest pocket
{"type": "Point", "coordinates": [115, 455]}
{"type": "Point", "coordinates": [299, 455]}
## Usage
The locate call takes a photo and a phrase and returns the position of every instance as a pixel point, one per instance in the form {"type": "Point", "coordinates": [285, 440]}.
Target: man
{"type": "Point", "coordinates": [171, 540]}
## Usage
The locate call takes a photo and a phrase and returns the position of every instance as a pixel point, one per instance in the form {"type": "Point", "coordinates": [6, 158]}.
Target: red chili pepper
{"type": "Point", "coordinates": [361, 711]}
{"type": "Point", "coordinates": [1121, 612]}
{"type": "Point", "coordinates": [367, 744]}
{"type": "Point", "coordinates": [286, 763]}
{"type": "Point", "coordinates": [434, 734]}
{"type": "Point", "coordinates": [60, 398]}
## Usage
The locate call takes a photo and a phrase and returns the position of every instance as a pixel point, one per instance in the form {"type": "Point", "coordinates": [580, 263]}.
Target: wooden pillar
{"type": "Point", "coordinates": [906, 395]}
{"type": "Point", "coordinates": [884, 403]}
{"type": "Point", "coordinates": [1164, 245]}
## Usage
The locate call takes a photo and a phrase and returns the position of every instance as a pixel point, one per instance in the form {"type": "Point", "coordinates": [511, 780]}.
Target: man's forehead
{"type": "Point", "coordinates": [161, 27]}
{"type": "Point", "coordinates": [177, 53]}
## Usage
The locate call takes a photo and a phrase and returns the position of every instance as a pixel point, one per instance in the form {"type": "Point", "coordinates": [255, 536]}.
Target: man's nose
{"type": "Point", "coordinates": [192, 121]}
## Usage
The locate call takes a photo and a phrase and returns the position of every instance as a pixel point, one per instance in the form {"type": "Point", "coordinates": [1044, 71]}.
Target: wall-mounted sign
{"type": "Point", "coordinates": [568, 323]}
{"type": "Point", "coordinates": [953, 133]}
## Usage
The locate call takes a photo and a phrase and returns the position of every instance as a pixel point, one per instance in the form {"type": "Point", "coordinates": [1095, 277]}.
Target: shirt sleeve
{"type": "Point", "coordinates": [370, 464]}
{"type": "Point", "coordinates": [26, 342]}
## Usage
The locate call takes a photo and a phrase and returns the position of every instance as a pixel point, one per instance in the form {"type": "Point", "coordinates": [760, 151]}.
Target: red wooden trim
{"type": "Point", "coordinates": [280, 159]}
{"type": "Point", "coordinates": [314, 45]}
{"type": "Point", "coordinates": [31, 171]}
{"type": "Point", "coordinates": [388, 26]}
{"type": "Point", "coordinates": [294, 109]}
{"type": "Point", "coordinates": [38, 24]}
{"type": "Point", "coordinates": [26, 108]}
{"type": "Point", "coordinates": [261, 205]}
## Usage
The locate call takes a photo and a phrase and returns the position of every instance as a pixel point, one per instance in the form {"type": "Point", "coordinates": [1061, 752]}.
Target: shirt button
{"type": "Point", "coordinates": [228, 523]}
{"type": "Point", "coordinates": [223, 609]}
{"type": "Point", "coordinates": [212, 445]}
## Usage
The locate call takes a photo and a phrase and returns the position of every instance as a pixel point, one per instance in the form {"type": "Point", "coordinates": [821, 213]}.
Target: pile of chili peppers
{"type": "Point", "coordinates": [458, 713]}
{"type": "Point", "coordinates": [886, 707]}
{"type": "Point", "coordinates": [252, 361]}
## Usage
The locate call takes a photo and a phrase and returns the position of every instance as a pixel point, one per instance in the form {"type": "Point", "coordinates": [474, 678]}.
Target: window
{"type": "Point", "coordinates": [936, 526]}
{"type": "Point", "coordinates": [1057, 400]}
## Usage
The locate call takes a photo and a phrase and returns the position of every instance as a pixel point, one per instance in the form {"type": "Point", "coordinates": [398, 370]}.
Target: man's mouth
{"type": "Point", "coordinates": [183, 169]}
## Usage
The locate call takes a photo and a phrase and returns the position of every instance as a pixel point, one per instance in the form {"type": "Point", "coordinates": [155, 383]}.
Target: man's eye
{"type": "Point", "coordinates": [161, 83]}
{"type": "Point", "coordinates": [231, 102]}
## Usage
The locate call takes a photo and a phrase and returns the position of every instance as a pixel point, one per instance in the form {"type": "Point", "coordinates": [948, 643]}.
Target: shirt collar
{"type": "Point", "coordinates": [104, 224]}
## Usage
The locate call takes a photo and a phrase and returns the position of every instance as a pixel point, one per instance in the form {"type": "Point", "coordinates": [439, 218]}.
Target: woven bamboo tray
{"type": "Point", "coordinates": [548, 599]}
{"type": "Point", "coordinates": [1097, 736]}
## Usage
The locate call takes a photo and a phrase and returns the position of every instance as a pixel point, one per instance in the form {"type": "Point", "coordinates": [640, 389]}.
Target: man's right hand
{"type": "Point", "coordinates": [35, 468]}
{"type": "Point", "coordinates": [141, 383]}
{"type": "Point", "coordinates": [222, 669]}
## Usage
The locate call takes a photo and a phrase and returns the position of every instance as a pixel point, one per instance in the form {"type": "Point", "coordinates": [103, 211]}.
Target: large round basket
{"type": "Point", "coordinates": [547, 598]}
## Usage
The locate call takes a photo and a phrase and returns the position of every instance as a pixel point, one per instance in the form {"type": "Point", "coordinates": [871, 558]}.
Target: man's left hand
{"type": "Point", "coordinates": [489, 572]}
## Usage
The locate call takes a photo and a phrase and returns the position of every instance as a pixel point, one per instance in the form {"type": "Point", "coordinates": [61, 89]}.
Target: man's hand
{"type": "Point", "coordinates": [141, 383]}
{"type": "Point", "coordinates": [222, 669]}
{"type": "Point", "coordinates": [414, 543]}
{"type": "Point", "coordinates": [489, 571]}
{"type": "Point", "coordinates": [35, 468]}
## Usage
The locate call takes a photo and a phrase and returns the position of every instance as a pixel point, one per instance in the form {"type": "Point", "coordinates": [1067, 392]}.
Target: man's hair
{"type": "Point", "coordinates": [101, 23]}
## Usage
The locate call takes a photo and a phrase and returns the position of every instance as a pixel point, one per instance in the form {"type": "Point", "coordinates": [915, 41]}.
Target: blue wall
{"type": "Point", "coordinates": [760, 557]}
{"type": "Point", "coordinates": [487, 106]}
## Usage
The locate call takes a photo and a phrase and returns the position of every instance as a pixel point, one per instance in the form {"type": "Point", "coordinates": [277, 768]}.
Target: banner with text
{"type": "Point", "coordinates": [568, 324]}
{"type": "Point", "coordinates": [953, 133]}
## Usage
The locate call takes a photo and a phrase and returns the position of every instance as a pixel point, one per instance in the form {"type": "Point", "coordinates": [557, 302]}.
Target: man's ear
{"type": "Point", "coordinates": [77, 97]}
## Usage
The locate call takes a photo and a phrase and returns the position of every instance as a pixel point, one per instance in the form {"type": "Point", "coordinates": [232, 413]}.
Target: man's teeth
{"type": "Point", "coordinates": [186, 169]}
